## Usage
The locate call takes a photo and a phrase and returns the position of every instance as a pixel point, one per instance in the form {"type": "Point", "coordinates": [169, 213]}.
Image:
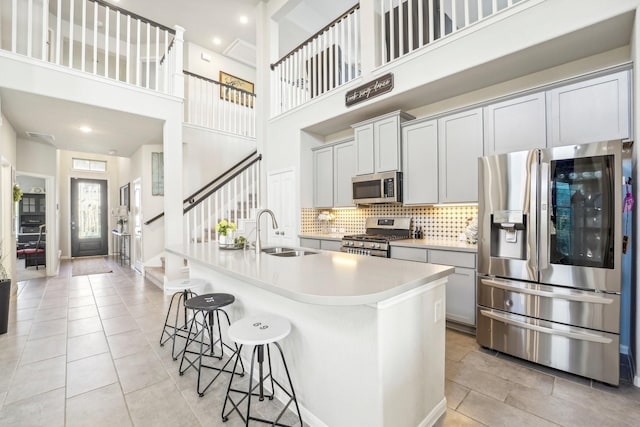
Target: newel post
{"type": "Point", "coordinates": [177, 72]}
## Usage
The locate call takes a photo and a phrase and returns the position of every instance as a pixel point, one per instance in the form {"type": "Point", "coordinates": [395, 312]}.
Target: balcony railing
{"type": "Point", "coordinates": [328, 59]}
{"type": "Point", "coordinates": [408, 25]}
{"type": "Point", "coordinates": [219, 106]}
{"type": "Point", "coordinates": [93, 36]}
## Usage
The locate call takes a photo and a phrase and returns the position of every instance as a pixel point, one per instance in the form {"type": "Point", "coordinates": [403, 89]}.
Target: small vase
{"type": "Point", "coordinates": [226, 240]}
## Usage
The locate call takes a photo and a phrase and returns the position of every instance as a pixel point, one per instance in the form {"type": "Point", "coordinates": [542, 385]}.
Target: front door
{"type": "Point", "coordinates": [89, 218]}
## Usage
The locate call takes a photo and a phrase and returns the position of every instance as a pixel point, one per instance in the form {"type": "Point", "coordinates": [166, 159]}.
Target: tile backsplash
{"type": "Point", "coordinates": [435, 222]}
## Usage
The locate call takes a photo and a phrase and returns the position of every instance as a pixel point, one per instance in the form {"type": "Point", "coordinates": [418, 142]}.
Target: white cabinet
{"type": "Point", "coordinates": [461, 285]}
{"type": "Point", "coordinates": [280, 187]}
{"type": "Point", "coordinates": [364, 149]}
{"type": "Point", "coordinates": [344, 168]}
{"type": "Point", "coordinates": [333, 168]}
{"type": "Point", "coordinates": [323, 177]}
{"type": "Point", "coordinates": [515, 125]}
{"type": "Point", "coordinates": [324, 244]}
{"type": "Point", "coordinates": [420, 163]}
{"type": "Point", "coordinates": [589, 111]}
{"type": "Point", "coordinates": [459, 146]}
{"type": "Point", "coordinates": [378, 143]}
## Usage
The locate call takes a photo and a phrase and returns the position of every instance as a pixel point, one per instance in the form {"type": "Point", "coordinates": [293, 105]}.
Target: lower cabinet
{"type": "Point", "coordinates": [461, 284]}
{"type": "Point", "coordinates": [324, 244]}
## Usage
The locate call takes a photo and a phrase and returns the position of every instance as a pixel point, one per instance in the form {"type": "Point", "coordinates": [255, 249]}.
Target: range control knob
{"type": "Point", "coordinates": [376, 246]}
{"type": "Point", "coordinates": [361, 244]}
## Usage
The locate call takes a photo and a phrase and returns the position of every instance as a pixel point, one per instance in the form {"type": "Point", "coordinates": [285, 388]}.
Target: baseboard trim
{"type": "Point", "coordinates": [439, 410]}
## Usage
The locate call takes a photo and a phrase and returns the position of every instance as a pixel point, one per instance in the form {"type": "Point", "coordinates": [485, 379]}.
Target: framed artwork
{"type": "Point", "coordinates": [157, 174]}
{"type": "Point", "coordinates": [227, 92]}
{"type": "Point", "coordinates": [124, 196]}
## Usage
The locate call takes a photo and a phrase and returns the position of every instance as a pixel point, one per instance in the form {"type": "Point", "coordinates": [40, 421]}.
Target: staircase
{"type": "Point", "coordinates": [233, 196]}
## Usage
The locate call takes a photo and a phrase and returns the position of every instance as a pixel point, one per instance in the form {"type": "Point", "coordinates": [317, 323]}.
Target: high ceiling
{"type": "Point", "coordinates": [203, 20]}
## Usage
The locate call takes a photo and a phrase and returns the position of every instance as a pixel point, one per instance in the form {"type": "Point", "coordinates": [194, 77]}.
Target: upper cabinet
{"type": "Point", "coordinates": [333, 168]}
{"type": "Point", "coordinates": [589, 111]}
{"type": "Point", "coordinates": [459, 146]}
{"type": "Point", "coordinates": [344, 168]}
{"type": "Point", "coordinates": [323, 177]}
{"type": "Point", "coordinates": [515, 125]}
{"type": "Point", "coordinates": [378, 143]}
{"type": "Point", "coordinates": [420, 163]}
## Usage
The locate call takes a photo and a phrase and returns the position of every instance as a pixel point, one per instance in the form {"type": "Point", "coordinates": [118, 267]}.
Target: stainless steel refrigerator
{"type": "Point", "coordinates": [549, 257]}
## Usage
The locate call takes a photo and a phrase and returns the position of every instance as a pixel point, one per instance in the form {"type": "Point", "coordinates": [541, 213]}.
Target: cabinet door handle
{"type": "Point", "coordinates": [576, 296]}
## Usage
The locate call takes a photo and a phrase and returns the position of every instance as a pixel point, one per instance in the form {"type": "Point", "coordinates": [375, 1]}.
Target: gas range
{"type": "Point", "coordinates": [379, 232]}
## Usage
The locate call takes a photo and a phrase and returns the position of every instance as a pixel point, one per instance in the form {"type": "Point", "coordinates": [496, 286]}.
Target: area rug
{"type": "Point", "coordinates": [92, 265]}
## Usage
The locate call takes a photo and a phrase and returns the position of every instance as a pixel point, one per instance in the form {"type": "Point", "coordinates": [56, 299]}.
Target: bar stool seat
{"type": "Point", "coordinates": [259, 331]}
{"type": "Point", "coordinates": [205, 306]}
{"type": "Point", "coordinates": [182, 289]}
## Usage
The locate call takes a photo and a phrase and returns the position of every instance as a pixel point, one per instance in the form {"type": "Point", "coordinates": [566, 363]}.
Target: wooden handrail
{"type": "Point", "coordinates": [216, 188]}
{"type": "Point", "coordinates": [189, 73]}
{"type": "Point", "coordinates": [325, 28]}
{"type": "Point", "coordinates": [134, 15]}
{"type": "Point", "coordinates": [222, 184]}
{"type": "Point", "coordinates": [237, 165]}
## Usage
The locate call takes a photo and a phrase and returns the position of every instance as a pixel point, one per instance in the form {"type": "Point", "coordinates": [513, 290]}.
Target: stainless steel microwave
{"type": "Point", "coordinates": [385, 187]}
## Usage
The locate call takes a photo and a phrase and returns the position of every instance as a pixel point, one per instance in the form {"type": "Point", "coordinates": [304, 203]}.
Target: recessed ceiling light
{"type": "Point", "coordinates": [112, 152]}
{"type": "Point", "coordinates": [244, 19]}
{"type": "Point", "coordinates": [85, 129]}
{"type": "Point", "coordinates": [216, 40]}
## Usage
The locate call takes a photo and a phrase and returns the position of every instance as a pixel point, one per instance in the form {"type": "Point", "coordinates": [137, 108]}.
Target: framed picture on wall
{"type": "Point", "coordinates": [228, 91]}
{"type": "Point", "coordinates": [124, 196]}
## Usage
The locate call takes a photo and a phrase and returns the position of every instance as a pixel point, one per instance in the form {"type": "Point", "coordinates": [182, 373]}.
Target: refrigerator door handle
{"type": "Point", "coordinates": [543, 218]}
{"type": "Point", "coordinates": [583, 336]}
{"type": "Point", "coordinates": [572, 296]}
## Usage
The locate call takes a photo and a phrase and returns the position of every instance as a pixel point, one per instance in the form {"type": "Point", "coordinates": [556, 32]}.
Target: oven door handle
{"type": "Point", "coordinates": [573, 296]}
{"type": "Point", "coordinates": [583, 336]}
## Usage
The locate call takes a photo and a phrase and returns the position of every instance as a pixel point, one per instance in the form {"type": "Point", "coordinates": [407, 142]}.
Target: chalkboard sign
{"type": "Point", "coordinates": [382, 84]}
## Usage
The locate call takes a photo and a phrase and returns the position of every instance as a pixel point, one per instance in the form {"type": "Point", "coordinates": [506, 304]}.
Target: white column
{"type": "Point", "coordinates": [369, 26]}
{"type": "Point", "coordinates": [173, 218]}
{"type": "Point", "coordinates": [178, 76]}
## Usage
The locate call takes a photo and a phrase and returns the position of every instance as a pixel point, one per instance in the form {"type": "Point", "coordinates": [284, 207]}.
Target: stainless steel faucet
{"type": "Point", "coordinates": [274, 224]}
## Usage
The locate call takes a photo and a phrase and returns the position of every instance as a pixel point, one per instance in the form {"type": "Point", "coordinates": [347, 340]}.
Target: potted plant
{"type": "Point", "coordinates": [225, 230]}
{"type": "Point", "coordinates": [17, 193]}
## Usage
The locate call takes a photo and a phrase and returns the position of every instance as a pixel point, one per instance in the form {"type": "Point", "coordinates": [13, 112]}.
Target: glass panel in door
{"type": "Point", "coordinates": [582, 212]}
{"type": "Point", "coordinates": [89, 221]}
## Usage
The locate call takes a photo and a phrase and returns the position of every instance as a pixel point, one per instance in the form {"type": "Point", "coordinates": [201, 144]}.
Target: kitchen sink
{"type": "Point", "coordinates": [294, 253]}
{"type": "Point", "coordinates": [276, 250]}
{"type": "Point", "coordinates": [287, 252]}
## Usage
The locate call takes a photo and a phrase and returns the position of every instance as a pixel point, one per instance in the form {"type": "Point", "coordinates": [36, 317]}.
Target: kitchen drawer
{"type": "Point", "coordinates": [330, 245]}
{"type": "Point", "coordinates": [409, 254]}
{"type": "Point", "coordinates": [310, 243]}
{"type": "Point", "coordinates": [456, 259]}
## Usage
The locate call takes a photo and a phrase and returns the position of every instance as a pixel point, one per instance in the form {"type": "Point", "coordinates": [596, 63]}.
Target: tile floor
{"type": "Point", "coordinates": [83, 351]}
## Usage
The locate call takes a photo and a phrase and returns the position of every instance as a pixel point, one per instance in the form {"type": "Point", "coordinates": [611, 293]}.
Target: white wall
{"type": "Point", "coordinates": [207, 154]}
{"type": "Point", "coordinates": [194, 63]}
{"type": "Point", "coordinates": [7, 206]}
{"type": "Point", "coordinates": [152, 234]}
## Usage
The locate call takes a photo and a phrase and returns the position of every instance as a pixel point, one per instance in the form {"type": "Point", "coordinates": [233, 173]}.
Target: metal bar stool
{"type": "Point", "coordinates": [205, 306]}
{"type": "Point", "coordinates": [183, 290]}
{"type": "Point", "coordinates": [259, 331]}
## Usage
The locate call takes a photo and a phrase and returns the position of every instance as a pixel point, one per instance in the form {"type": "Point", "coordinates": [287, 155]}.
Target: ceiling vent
{"type": "Point", "coordinates": [242, 51]}
{"type": "Point", "coordinates": [41, 137]}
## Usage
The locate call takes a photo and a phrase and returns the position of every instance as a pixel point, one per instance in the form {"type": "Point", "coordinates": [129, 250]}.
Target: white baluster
{"type": "Point", "coordinates": [14, 25]}
{"type": "Point", "coordinates": [148, 58]}
{"type": "Point", "coordinates": [392, 32]}
{"type": "Point", "coordinates": [29, 28]}
{"type": "Point", "coordinates": [166, 62]}
{"type": "Point", "coordinates": [58, 29]}
{"type": "Point", "coordinates": [117, 45]}
{"type": "Point", "coordinates": [349, 50]}
{"type": "Point", "coordinates": [138, 63]}
{"type": "Point", "coordinates": [466, 13]}
{"type": "Point", "coordinates": [494, 6]}
{"type": "Point", "coordinates": [480, 9]}
{"type": "Point", "coordinates": [421, 23]}
{"type": "Point", "coordinates": [410, 26]}
{"type": "Point", "coordinates": [95, 38]}
{"type": "Point", "coordinates": [432, 22]}
{"type": "Point", "coordinates": [356, 42]}
{"type": "Point", "coordinates": [71, 26]}
{"type": "Point", "coordinates": [128, 63]}
{"type": "Point", "coordinates": [83, 36]}
{"type": "Point", "coordinates": [157, 60]}
{"type": "Point", "coordinates": [209, 225]}
{"type": "Point", "coordinates": [106, 41]}
{"type": "Point", "coordinates": [383, 30]}
{"type": "Point", "coordinates": [401, 28]}
{"type": "Point", "coordinates": [454, 16]}
{"type": "Point", "coordinates": [443, 30]}
{"type": "Point", "coordinates": [45, 30]}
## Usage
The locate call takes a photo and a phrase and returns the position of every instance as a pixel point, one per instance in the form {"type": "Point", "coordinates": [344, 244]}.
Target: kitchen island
{"type": "Point", "coordinates": [367, 340]}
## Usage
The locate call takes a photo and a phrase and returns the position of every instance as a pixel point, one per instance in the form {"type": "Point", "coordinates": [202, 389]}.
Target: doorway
{"type": "Point", "coordinates": [137, 225]}
{"type": "Point", "coordinates": [89, 218]}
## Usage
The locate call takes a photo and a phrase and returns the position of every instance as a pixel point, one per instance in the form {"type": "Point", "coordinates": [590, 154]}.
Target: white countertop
{"type": "Point", "coordinates": [325, 278]}
{"type": "Point", "coordinates": [450, 245]}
